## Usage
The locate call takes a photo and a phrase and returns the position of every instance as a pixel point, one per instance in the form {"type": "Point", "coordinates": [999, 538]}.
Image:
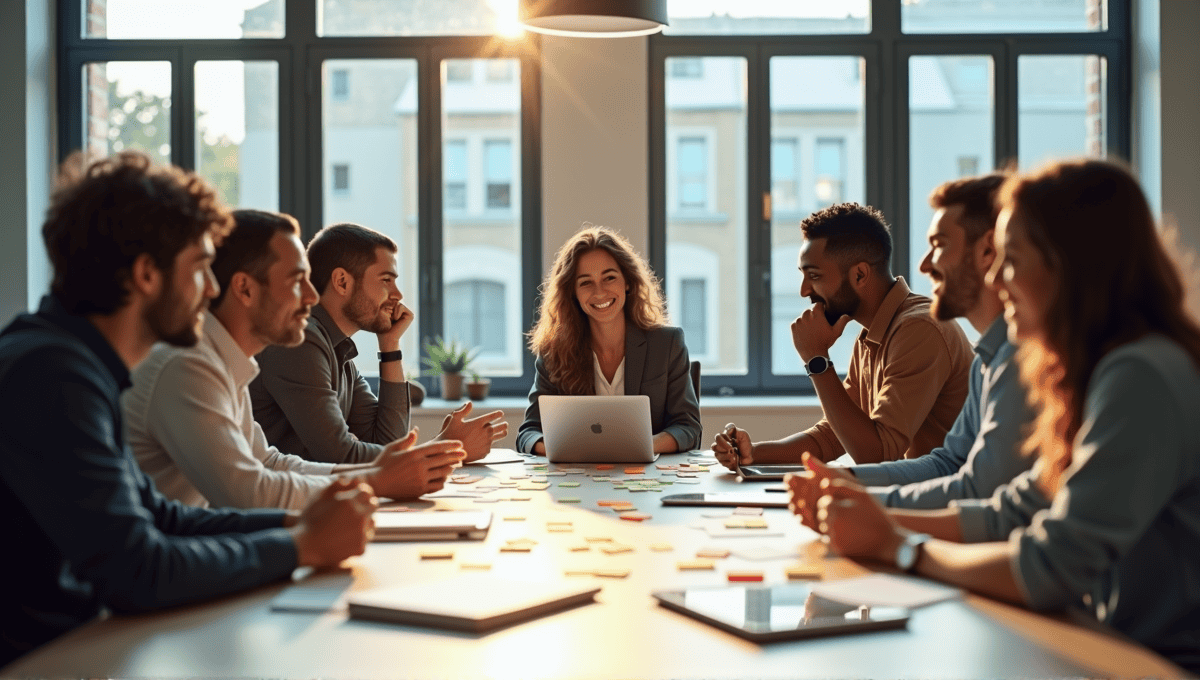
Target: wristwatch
{"type": "Point", "coordinates": [817, 365]}
{"type": "Point", "coordinates": [908, 551]}
{"type": "Point", "coordinates": [394, 355]}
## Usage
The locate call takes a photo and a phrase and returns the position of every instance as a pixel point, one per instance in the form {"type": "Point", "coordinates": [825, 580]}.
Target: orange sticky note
{"type": "Point", "coordinates": [744, 576]}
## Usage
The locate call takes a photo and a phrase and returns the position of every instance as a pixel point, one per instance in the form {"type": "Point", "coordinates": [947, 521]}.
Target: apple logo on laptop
{"type": "Point", "coordinates": [597, 429]}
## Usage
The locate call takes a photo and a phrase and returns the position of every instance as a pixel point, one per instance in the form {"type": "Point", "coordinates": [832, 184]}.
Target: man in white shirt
{"type": "Point", "coordinates": [189, 417]}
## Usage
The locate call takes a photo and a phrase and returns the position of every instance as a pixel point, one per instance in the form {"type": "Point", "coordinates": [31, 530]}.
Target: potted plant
{"type": "Point", "coordinates": [448, 360]}
{"type": "Point", "coordinates": [477, 387]}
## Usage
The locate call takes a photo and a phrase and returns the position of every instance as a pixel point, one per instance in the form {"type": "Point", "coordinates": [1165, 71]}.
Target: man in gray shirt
{"type": "Point", "coordinates": [311, 400]}
{"type": "Point", "coordinates": [981, 451]}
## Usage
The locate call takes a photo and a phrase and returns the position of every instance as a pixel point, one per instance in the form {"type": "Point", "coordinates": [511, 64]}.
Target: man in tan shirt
{"type": "Point", "coordinates": [908, 374]}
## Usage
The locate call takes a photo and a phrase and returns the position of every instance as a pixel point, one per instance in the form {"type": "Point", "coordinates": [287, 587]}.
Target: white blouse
{"type": "Point", "coordinates": [603, 387]}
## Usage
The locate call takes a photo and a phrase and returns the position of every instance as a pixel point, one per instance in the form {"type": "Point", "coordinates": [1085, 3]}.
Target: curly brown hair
{"type": "Point", "coordinates": [562, 335]}
{"type": "Point", "coordinates": [102, 218]}
{"type": "Point", "coordinates": [1115, 282]}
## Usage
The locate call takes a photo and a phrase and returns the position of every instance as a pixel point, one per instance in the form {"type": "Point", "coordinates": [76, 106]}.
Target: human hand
{"type": "Point", "coordinates": [804, 488]}
{"type": "Point", "coordinates": [539, 448]}
{"type": "Point", "coordinates": [406, 471]}
{"type": "Point", "coordinates": [402, 318]}
{"type": "Point", "coordinates": [812, 335]}
{"type": "Point", "coordinates": [732, 443]}
{"type": "Point", "coordinates": [337, 524]}
{"type": "Point", "coordinates": [856, 524]}
{"type": "Point", "coordinates": [476, 434]}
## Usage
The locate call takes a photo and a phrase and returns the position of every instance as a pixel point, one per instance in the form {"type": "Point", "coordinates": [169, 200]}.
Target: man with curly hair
{"type": "Point", "coordinates": [908, 374]}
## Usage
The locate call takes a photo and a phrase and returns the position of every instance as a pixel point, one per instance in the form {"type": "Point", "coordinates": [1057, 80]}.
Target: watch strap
{"type": "Point", "coordinates": [394, 355]}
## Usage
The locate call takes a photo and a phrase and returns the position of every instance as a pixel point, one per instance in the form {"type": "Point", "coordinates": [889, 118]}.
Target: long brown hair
{"type": "Point", "coordinates": [1115, 282]}
{"type": "Point", "coordinates": [562, 336]}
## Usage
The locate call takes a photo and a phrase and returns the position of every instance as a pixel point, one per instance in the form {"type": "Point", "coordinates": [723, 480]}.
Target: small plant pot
{"type": "Point", "coordinates": [416, 393]}
{"type": "Point", "coordinates": [452, 386]}
{"type": "Point", "coordinates": [477, 390]}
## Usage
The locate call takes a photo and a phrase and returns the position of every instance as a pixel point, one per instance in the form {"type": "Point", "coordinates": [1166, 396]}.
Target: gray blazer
{"type": "Point", "coordinates": [656, 365]}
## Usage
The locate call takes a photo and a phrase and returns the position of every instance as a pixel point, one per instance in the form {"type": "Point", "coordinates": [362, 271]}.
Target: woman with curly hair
{"type": "Point", "coordinates": [1108, 518]}
{"type": "Point", "coordinates": [602, 330]}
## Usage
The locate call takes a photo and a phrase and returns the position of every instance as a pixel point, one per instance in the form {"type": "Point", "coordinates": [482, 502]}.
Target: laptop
{"type": "Point", "coordinates": [589, 429]}
{"type": "Point", "coordinates": [453, 525]}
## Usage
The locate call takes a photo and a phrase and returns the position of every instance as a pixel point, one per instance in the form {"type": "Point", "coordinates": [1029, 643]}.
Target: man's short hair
{"type": "Point", "coordinates": [977, 196]}
{"type": "Point", "coordinates": [349, 246]}
{"type": "Point", "coordinates": [102, 218]}
{"type": "Point", "coordinates": [853, 233]}
{"type": "Point", "coordinates": [248, 248]}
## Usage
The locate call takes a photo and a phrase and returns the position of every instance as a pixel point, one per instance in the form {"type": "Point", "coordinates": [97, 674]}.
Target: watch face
{"type": "Point", "coordinates": [817, 365]}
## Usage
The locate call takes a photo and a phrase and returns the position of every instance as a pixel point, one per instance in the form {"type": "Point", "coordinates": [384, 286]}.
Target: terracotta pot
{"type": "Point", "coordinates": [477, 390]}
{"type": "Point", "coordinates": [416, 393]}
{"type": "Point", "coordinates": [452, 386]}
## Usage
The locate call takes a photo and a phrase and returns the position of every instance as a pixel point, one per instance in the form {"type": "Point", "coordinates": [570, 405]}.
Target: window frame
{"type": "Point", "coordinates": [886, 51]}
{"type": "Point", "coordinates": [300, 55]}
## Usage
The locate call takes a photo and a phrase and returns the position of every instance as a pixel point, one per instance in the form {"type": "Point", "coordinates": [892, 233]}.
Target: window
{"type": "Point", "coordinates": [693, 173]}
{"type": "Point", "coordinates": [425, 139]}
{"type": "Point", "coordinates": [876, 102]}
{"type": "Point", "coordinates": [498, 172]}
{"type": "Point", "coordinates": [475, 314]}
{"type": "Point", "coordinates": [693, 319]}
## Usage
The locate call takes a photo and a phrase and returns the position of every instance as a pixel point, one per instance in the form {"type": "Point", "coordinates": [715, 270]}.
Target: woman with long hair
{"type": "Point", "coordinates": [1108, 518]}
{"type": "Point", "coordinates": [601, 329]}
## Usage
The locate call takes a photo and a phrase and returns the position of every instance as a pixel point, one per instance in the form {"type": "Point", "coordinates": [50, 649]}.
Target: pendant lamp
{"type": "Point", "coordinates": [593, 18]}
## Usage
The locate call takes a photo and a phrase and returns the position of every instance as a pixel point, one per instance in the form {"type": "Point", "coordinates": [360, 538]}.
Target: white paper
{"type": "Point", "coordinates": [499, 457]}
{"type": "Point", "coordinates": [886, 590]}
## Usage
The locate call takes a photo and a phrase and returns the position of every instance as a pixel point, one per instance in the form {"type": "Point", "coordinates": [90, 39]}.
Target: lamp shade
{"type": "Point", "coordinates": [593, 18]}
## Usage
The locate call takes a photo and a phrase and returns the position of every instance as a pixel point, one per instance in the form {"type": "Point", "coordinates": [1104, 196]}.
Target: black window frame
{"type": "Point", "coordinates": [300, 54]}
{"type": "Point", "coordinates": [886, 51]}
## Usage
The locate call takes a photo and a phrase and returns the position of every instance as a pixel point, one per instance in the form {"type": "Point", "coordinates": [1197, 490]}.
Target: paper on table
{"type": "Point", "coordinates": [320, 593]}
{"type": "Point", "coordinates": [498, 457]}
{"type": "Point", "coordinates": [886, 590]}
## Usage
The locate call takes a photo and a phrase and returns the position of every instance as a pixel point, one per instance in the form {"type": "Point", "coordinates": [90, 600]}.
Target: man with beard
{"type": "Point", "coordinates": [86, 530]}
{"type": "Point", "coordinates": [311, 400]}
{"type": "Point", "coordinates": [189, 415]}
{"type": "Point", "coordinates": [981, 452]}
{"type": "Point", "coordinates": [907, 378]}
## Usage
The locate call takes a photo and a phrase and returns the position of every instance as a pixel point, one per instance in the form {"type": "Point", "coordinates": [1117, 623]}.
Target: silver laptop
{"type": "Point", "coordinates": [587, 429]}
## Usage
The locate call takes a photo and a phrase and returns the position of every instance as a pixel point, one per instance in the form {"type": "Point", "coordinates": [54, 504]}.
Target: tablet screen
{"type": "Point", "coordinates": [766, 614]}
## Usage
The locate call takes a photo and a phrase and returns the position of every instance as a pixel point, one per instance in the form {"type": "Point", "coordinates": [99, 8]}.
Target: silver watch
{"type": "Point", "coordinates": [908, 551]}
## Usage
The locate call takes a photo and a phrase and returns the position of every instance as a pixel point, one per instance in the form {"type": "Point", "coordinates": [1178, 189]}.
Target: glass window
{"type": "Point", "coordinates": [237, 130]}
{"type": "Point", "coordinates": [128, 106]}
{"type": "Point", "coordinates": [475, 315]}
{"type": "Point", "coordinates": [417, 17]}
{"type": "Point", "coordinates": [951, 134]}
{"type": "Point", "coordinates": [458, 70]}
{"type": "Point", "coordinates": [693, 315]}
{"type": "Point", "coordinates": [498, 172]}
{"type": "Point", "coordinates": [499, 71]}
{"type": "Point", "coordinates": [682, 67]}
{"type": "Point", "coordinates": [340, 84]}
{"type": "Point", "coordinates": [784, 178]}
{"type": "Point", "coordinates": [482, 242]}
{"type": "Point", "coordinates": [373, 133]}
{"type": "Point", "coordinates": [161, 19]}
{"type": "Point", "coordinates": [820, 102]}
{"type": "Point", "coordinates": [1006, 16]}
{"type": "Point", "coordinates": [1061, 107]}
{"type": "Point", "coordinates": [706, 119]}
{"type": "Point", "coordinates": [454, 161]}
{"type": "Point", "coordinates": [767, 17]}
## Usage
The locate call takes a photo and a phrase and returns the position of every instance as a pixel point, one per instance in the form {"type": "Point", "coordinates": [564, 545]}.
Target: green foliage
{"type": "Point", "coordinates": [447, 357]}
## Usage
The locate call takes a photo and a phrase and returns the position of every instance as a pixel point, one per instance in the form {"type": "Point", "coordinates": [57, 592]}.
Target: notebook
{"type": "Point", "coordinates": [474, 603]}
{"type": "Point", "coordinates": [432, 526]}
{"type": "Point", "coordinates": [589, 429]}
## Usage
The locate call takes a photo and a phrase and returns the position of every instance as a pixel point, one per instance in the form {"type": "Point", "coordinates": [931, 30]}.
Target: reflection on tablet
{"type": "Point", "coordinates": [782, 612]}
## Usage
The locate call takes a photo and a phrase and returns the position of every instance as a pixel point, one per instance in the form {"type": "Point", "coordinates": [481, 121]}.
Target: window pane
{"type": "Point", "coordinates": [237, 130]}
{"type": "Point", "coordinates": [693, 314]}
{"type": "Point", "coordinates": [706, 198]}
{"type": "Point", "coordinates": [784, 186]}
{"type": "Point", "coordinates": [481, 260]}
{"type": "Point", "coordinates": [370, 174]}
{"type": "Point", "coordinates": [951, 109]}
{"type": "Point", "coordinates": [417, 17]}
{"type": "Point", "coordinates": [1060, 107]}
{"type": "Point", "coordinates": [767, 17]}
{"type": "Point", "coordinates": [818, 103]}
{"type": "Point", "coordinates": [126, 19]}
{"type": "Point", "coordinates": [127, 105]}
{"type": "Point", "coordinates": [1003, 16]}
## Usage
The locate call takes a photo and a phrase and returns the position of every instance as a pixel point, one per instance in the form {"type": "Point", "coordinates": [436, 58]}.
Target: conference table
{"type": "Point", "coordinates": [623, 634]}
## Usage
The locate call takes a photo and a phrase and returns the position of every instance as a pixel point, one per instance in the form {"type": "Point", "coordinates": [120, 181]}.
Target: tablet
{"type": "Point", "coordinates": [732, 499]}
{"type": "Point", "coordinates": [450, 525]}
{"type": "Point", "coordinates": [767, 473]}
{"type": "Point", "coordinates": [774, 613]}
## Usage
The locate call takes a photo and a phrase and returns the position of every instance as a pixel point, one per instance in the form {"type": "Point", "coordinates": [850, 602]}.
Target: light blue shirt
{"type": "Point", "coordinates": [981, 451]}
{"type": "Point", "coordinates": [1122, 535]}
